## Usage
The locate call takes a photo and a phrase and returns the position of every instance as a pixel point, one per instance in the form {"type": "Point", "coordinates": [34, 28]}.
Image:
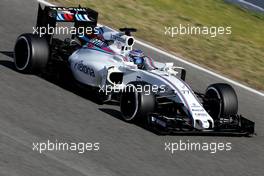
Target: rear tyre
{"type": "Point", "coordinates": [221, 100]}
{"type": "Point", "coordinates": [136, 103]}
{"type": "Point", "coordinates": [31, 53]}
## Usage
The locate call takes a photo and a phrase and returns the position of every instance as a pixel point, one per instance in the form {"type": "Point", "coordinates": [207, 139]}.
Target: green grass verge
{"type": "Point", "coordinates": [239, 55]}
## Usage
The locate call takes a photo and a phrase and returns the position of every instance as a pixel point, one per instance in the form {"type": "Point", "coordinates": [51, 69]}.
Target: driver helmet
{"type": "Point", "coordinates": [137, 56]}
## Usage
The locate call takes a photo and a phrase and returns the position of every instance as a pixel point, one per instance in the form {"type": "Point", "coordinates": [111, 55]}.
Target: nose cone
{"type": "Point", "coordinates": [202, 124]}
{"type": "Point", "coordinates": [205, 124]}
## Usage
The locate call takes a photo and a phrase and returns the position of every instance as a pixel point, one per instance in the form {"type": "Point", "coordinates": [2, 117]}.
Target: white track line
{"type": "Point", "coordinates": [185, 62]}
{"type": "Point", "coordinates": [45, 3]}
{"type": "Point", "coordinates": [252, 5]}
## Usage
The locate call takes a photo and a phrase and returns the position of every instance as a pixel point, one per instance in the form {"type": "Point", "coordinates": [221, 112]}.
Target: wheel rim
{"type": "Point", "coordinates": [215, 106]}
{"type": "Point", "coordinates": [22, 53]}
{"type": "Point", "coordinates": [129, 105]}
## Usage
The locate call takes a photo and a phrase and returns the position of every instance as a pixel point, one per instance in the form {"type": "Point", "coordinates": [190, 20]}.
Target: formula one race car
{"type": "Point", "coordinates": [105, 59]}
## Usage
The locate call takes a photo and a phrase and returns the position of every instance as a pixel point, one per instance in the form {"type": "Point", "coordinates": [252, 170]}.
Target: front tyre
{"type": "Point", "coordinates": [221, 100]}
{"type": "Point", "coordinates": [31, 53]}
{"type": "Point", "coordinates": [137, 101]}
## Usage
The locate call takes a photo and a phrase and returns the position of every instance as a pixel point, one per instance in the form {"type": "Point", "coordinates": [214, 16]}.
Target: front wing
{"type": "Point", "coordinates": [238, 126]}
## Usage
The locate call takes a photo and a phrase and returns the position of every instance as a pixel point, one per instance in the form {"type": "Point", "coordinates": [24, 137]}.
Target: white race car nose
{"type": "Point", "coordinates": [202, 124]}
{"type": "Point", "coordinates": [205, 124]}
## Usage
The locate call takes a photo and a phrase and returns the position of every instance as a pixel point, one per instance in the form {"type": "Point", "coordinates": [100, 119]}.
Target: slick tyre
{"type": "Point", "coordinates": [135, 103]}
{"type": "Point", "coordinates": [226, 104]}
{"type": "Point", "coordinates": [31, 53]}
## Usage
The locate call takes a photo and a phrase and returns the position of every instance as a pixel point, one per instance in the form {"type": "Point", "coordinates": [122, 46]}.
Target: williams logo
{"type": "Point", "coordinates": [84, 68]}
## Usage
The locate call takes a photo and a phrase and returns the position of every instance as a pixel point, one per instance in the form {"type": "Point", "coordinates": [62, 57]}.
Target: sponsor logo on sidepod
{"type": "Point", "coordinates": [84, 68]}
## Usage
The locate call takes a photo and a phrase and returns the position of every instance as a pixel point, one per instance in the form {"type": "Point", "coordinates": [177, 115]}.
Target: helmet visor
{"type": "Point", "coordinates": [138, 60]}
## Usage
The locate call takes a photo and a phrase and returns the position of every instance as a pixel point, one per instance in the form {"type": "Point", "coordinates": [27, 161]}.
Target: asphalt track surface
{"type": "Point", "coordinates": [33, 109]}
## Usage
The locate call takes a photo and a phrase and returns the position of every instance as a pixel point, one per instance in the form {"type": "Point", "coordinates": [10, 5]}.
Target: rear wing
{"type": "Point", "coordinates": [81, 17]}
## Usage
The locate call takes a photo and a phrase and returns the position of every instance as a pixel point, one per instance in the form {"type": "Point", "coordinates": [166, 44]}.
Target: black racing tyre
{"type": "Point", "coordinates": [31, 53]}
{"type": "Point", "coordinates": [228, 104]}
{"type": "Point", "coordinates": [136, 103]}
